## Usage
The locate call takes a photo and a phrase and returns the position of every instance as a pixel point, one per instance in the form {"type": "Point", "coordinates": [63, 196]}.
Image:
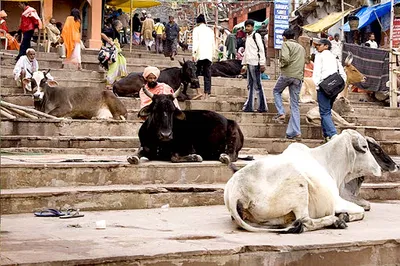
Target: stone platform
{"type": "Point", "coordinates": [194, 236]}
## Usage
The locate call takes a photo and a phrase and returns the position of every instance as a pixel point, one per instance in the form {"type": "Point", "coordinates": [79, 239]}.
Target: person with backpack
{"type": "Point", "coordinates": [159, 30]}
{"type": "Point", "coordinates": [292, 60]}
{"type": "Point", "coordinates": [254, 63]}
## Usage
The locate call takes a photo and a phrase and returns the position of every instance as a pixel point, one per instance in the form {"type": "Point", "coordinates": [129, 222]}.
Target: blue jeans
{"type": "Point", "coordinates": [325, 106]}
{"type": "Point", "coordinates": [294, 85]}
{"type": "Point", "coordinates": [254, 84]}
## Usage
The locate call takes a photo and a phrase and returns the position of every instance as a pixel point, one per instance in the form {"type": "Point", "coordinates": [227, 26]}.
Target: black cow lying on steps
{"type": "Point", "coordinates": [173, 76]}
{"type": "Point", "coordinates": [169, 134]}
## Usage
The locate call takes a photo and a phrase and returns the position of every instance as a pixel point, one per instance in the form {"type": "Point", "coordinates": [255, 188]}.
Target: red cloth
{"type": "Point", "coordinates": [3, 25]}
{"type": "Point", "coordinates": [240, 34]}
{"type": "Point", "coordinates": [28, 23]}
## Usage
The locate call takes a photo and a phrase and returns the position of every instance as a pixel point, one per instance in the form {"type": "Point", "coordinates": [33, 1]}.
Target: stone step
{"type": "Point", "coordinates": [236, 106]}
{"type": "Point", "coordinates": [133, 104]}
{"type": "Point", "coordinates": [75, 127]}
{"type": "Point", "coordinates": [183, 236]}
{"type": "Point", "coordinates": [111, 197]}
{"type": "Point", "coordinates": [72, 170]}
{"type": "Point", "coordinates": [126, 145]}
{"type": "Point", "coordinates": [132, 65]}
{"type": "Point", "coordinates": [58, 73]}
{"type": "Point", "coordinates": [97, 145]}
{"type": "Point", "coordinates": [9, 86]}
{"type": "Point", "coordinates": [123, 197]}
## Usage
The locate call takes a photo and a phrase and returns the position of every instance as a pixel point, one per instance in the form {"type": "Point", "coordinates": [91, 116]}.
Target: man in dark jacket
{"type": "Point", "coordinates": [172, 32]}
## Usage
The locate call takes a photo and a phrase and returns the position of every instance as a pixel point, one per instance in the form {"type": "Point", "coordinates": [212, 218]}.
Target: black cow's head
{"type": "Point", "coordinates": [161, 112]}
{"type": "Point", "coordinates": [384, 160]}
{"type": "Point", "coordinates": [38, 81]}
{"type": "Point", "coordinates": [189, 71]}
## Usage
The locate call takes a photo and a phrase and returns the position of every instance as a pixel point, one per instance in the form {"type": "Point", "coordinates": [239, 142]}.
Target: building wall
{"type": "Point", "coordinates": [62, 8]}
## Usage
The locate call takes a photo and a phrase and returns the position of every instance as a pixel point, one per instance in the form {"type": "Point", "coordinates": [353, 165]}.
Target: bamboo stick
{"type": "Point", "coordinates": [26, 109]}
{"type": "Point", "coordinates": [23, 113]}
{"type": "Point", "coordinates": [5, 114]}
{"type": "Point", "coordinates": [6, 110]}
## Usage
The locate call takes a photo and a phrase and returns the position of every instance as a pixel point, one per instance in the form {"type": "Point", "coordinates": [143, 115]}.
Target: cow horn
{"type": "Point", "coordinates": [349, 59]}
{"type": "Point", "coordinates": [178, 91]}
{"type": "Point", "coordinates": [184, 60]}
{"type": "Point", "coordinates": [46, 72]}
{"type": "Point", "coordinates": [357, 145]}
{"type": "Point", "coordinates": [148, 93]}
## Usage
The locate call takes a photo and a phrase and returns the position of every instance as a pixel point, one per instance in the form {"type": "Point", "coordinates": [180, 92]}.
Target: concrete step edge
{"type": "Point", "coordinates": [150, 188]}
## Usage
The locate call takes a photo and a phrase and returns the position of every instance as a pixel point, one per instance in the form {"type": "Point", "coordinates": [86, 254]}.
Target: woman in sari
{"type": "Point", "coordinates": [117, 69]}
{"type": "Point", "coordinates": [12, 42]}
{"type": "Point", "coordinates": [72, 38]}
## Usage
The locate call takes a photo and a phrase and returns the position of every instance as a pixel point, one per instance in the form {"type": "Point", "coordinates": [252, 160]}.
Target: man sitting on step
{"type": "Point", "coordinates": [151, 75]}
{"type": "Point", "coordinates": [25, 66]}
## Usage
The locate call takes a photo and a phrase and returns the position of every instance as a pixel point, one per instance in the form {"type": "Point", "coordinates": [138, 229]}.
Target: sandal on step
{"type": "Point", "coordinates": [72, 214]}
{"type": "Point", "coordinates": [49, 213]}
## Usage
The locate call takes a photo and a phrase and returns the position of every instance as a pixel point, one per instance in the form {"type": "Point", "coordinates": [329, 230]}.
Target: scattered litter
{"type": "Point", "coordinates": [101, 224]}
{"type": "Point", "coordinates": [74, 225]}
{"type": "Point", "coordinates": [165, 207]}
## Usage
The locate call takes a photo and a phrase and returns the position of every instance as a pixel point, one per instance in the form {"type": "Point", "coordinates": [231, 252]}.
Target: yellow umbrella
{"type": "Point", "coordinates": [126, 5]}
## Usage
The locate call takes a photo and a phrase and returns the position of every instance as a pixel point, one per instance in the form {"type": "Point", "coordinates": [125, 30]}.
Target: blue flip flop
{"type": "Point", "coordinates": [49, 213]}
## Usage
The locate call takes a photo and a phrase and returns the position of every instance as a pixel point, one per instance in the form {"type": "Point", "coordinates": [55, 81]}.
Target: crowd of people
{"type": "Point", "coordinates": [247, 45]}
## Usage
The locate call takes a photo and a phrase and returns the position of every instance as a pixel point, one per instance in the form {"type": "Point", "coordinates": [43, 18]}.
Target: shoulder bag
{"type": "Point", "coordinates": [333, 84]}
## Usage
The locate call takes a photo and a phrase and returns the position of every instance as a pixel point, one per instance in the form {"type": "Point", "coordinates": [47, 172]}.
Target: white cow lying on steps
{"type": "Point", "coordinates": [298, 189]}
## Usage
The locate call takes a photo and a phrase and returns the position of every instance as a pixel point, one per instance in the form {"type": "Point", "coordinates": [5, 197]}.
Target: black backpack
{"type": "Point", "coordinates": [258, 48]}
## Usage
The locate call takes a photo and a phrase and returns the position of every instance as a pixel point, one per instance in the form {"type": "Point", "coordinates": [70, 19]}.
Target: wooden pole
{"type": "Point", "coordinates": [22, 113]}
{"type": "Point", "coordinates": [131, 32]}
{"type": "Point", "coordinates": [5, 114]}
{"type": "Point", "coordinates": [341, 29]}
{"type": "Point", "coordinates": [26, 109]}
{"type": "Point", "coordinates": [392, 63]}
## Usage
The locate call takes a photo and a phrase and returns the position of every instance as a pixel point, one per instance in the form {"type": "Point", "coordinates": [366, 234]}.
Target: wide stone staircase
{"type": "Point", "coordinates": [82, 164]}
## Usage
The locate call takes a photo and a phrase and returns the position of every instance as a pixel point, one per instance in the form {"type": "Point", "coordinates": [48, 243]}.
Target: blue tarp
{"type": "Point", "coordinates": [367, 14]}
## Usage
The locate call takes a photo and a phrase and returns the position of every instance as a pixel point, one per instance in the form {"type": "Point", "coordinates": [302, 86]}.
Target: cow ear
{"type": "Point", "coordinates": [52, 83]}
{"type": "Point", "coordinates": [144, 112]}
{"type": "Point", "coordinates": [179, 114]}
{"type": "Point", "coordinates": [25, 82]}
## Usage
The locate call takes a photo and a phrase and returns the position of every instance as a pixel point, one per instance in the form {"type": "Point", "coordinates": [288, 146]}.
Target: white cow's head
{"type": "Point", "coordinates": [38, 81]}
{"type": "Point", "coordinates": [360, 157]}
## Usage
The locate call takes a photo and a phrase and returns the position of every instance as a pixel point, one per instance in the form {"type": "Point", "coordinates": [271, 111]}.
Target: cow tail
{"type": "Point", "coordinates": [236, 208]}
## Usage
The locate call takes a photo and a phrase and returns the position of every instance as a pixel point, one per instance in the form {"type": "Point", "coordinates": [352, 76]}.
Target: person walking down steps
{"type": "Point", "coordinates": [254, 63]}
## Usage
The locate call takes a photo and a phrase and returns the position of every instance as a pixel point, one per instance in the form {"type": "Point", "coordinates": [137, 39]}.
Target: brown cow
{"type": "Point", "coordinates": [353, 75]}
{"type": "Point", "coordinates": [80, 102]}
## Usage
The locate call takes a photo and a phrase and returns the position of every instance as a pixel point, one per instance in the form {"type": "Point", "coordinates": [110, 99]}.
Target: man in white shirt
{"type": "Point", "coordinates": [337, 47]}
{"type": "Point", "coordinates": [202, 51]}
{"type": "Point", "coordinates": [371, 41]}
{"type": "Point", "coordinates": [325, 65]}
{"type": "Point", "coordinates": [254, 63]}
{"type": "Point", "coordinates": [25, 67]}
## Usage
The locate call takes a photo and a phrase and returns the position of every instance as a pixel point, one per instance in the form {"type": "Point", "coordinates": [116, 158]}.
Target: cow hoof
{"type": "Point", "coordinates": [196, 158]}
{"type": "Point", "coordinates": [224, 158]}
{"type": "Point", "coordinates": [296, 228]}
{"type": "Point", "coordinates": [344, 216]}
{"type": "Point", "coordinates": [133, 159]}
{"type": "Point", "coordinates": [339, 224]}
